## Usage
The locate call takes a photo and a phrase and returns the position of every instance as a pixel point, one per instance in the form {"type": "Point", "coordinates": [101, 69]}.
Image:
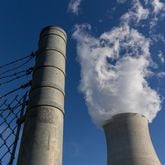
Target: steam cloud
{"type": "Point", "coordinates": [115, 66]}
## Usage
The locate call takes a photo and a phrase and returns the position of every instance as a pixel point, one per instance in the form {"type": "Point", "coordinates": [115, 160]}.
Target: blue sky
{"type": "Point", "coordinates": [21, 23]}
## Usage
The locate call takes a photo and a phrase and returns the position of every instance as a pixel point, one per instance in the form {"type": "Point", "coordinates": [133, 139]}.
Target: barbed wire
{"type": "Point", "coordinates": [15, 78]}
{"type": "Point", "coordinates": [13, 100]}
{"type": "Point", "coordinates": [14, 71]}
{"type": "Point", "coordinates": [18, 60]}
{"type": "Point", "coordinates": [27, 71]}
{"type": "Point", "coordinates": [17, 67]}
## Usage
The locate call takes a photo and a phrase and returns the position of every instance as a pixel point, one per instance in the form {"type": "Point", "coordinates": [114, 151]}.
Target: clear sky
{"type": "Point", "coordinates": [21, 22]}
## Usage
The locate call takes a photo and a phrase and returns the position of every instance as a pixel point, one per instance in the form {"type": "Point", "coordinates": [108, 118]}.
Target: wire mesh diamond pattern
{"type": "Point", "coordinates": [11, 117]}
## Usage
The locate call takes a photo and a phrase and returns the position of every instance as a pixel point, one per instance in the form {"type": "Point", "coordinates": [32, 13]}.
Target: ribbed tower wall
{"type": "Point", "coordinates": [43, 130]}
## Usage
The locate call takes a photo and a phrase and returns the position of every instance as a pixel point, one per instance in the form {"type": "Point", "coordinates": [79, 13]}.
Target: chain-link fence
{"type": "Point", "coordinates": [11, 119]}
{"type": "Point", "coordinates": [14, 86]}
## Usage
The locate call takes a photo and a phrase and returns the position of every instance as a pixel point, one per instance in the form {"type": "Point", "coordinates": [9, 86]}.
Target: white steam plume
{"type": "Point", "coordinates": [116, 65]}
{"type": "Point", "coordinates": [114, 68]}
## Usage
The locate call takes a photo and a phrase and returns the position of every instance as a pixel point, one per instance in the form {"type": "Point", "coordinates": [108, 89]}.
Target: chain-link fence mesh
{"type": "Point", "coordinates": [15, 78]}
{"type": "Point", "coordinates": [11, 118]}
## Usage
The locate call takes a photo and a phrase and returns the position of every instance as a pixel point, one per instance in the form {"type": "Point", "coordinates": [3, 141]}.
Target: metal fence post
{"type": "Point", "coordinates": [42, 137]}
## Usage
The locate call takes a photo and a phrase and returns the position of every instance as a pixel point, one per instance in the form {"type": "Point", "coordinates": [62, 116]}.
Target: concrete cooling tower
{"type": "Point", "coordinates": [128, 141]}
{"type": "Point", "coordinates": [43, 130]}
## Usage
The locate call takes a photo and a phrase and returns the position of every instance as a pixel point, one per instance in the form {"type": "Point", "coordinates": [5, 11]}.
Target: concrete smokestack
{"type": "Point", "coordinates": [128, 141]}
{"type": "Point", "coordinates": [43, 131]}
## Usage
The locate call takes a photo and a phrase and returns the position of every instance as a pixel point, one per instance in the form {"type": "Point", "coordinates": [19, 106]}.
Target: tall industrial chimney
{"type": "Point", "coordinates": [128, 141]}
{"type": "Point", "coordinates": [43, 130]}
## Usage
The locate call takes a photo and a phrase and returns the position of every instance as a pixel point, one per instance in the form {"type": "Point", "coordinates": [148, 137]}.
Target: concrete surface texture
{"type": "Point", "coordinates": [43, 131]}
{"type": "Point", "coordinates": [128, 141]}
